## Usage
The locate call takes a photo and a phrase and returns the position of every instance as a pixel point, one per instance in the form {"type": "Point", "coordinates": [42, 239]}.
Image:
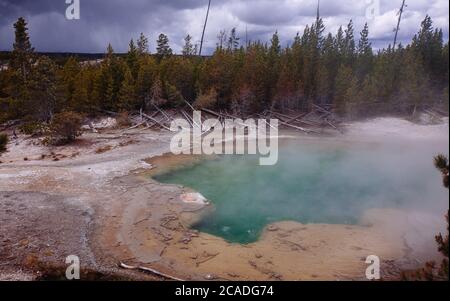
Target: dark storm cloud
{"type": "Point", "coordinates": [117, 21]}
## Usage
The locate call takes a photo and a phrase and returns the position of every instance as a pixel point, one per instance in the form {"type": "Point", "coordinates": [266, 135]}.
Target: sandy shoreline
{"type": "Point", "coordinates": [104, 208]}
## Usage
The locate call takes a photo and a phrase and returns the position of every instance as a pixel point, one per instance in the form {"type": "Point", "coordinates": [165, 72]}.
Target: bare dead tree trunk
{"type": "Point", "coordinates": [400, 13]}
{"type": "Point", "coordinates": [204, 28]}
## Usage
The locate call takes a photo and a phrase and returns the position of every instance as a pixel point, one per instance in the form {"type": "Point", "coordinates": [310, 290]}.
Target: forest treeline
{"type": "Point", "coordinates": [340, 70]}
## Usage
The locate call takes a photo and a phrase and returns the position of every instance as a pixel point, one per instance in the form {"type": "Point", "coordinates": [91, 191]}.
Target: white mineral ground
{"type": "Point", "coordinates": [94, 199]}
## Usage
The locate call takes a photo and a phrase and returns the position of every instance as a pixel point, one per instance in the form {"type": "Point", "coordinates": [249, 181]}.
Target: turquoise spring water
{"type": "Point", "coordinates": [313, 182]}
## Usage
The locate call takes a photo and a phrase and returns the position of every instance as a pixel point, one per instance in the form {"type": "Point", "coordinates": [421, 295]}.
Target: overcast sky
{"type": "Point", "coordinates": [117, 21]}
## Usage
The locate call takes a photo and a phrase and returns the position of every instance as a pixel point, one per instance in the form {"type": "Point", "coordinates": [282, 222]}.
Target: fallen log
{"type": "Point", "coordinates": [135, 126]}
{"type": "Point", "coordinates": [188, 119]}
{"type": "Point", "coordinates": [189, 105]}
{"type": "Point", "coordinates": [265, 121]}
{"type": "Point", "coordinates": [308, 131]}
{"type": "Point", "coordinates": [333, 126]}
{"type": "Point", "coordinates": [156, 121]}
{"type": "Point", "coordinates": [319, 108]}
{"type": "Point", "coordinates": [162, 112]}
{"type": "Point", "coordinates": [296, 117]}
{"type": "Point", "coordinates": [149, 270]}
{"type": "Point", "coordinates": [186, 115]}
{"type": "Point", "coordinates": [283, 121]}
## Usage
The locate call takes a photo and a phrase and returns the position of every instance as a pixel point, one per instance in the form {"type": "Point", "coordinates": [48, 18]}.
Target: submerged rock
{"type": "Point", "coordinates": [194, 198]}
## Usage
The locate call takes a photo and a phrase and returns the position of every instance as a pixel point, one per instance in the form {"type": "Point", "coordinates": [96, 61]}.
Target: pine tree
{"type": "Point", "coordinates": [142, 45]}
{"type": "Point", "coordinates": [274, 54]}
{"type": "Point", "coordinates": [349, 44]}
{"type": "Point", "coordinates": [103, 94]}
{"type": "Point", "coordinates": [364, 46]}
{"type": "Point", "coordinates": [430, 272]}
{"type": "Point", "coordinates": [188, 48]}
{"type": "Point", "coordinates": [41, 90]}
{"type": "Point", "coordinates": [365, 54]}
{"type": "Point", "coordinates": [328, 69]}
{"type": "Point", "coordinates": [315, 69]}
{"type": "Point", "coordinates": [414, 85]}
{"type": "Point", "coordinates": [233, 40]}
{"type": "Point", "coordinates": [109, 80]}
{"type": "Point", "coordinates": [127, 95]}
{"type": "Point", "coordinates": [70, 72]}
{"type": "Point", "coordinates": [109, 54]}
{"type": "Point", "coordinates": [275, 47]}
{"type": "Point", "coordinates": [428, 46]}
{"type": "Point", "coordinates": [352, 98]}
{"type": "Point", "coordinates": [80, 97]}
{"type": "Point", "coordinates": [312, 43]}
{"type": "Point", "coordinates": [343, 83]}
{"type": "Point", "coordinates": [108, 92]}
{"type": "Point", "coordinates": [181, 73]}
{"type": "Point", "coordinates": [132, 59]}
{"type": "Point", "coordinates": [23, 53]}
{"type": "Point", "coordinates": [157, 93]}
{"type": "Point", "coordinates": [340, 42]}
{"type": "Point", "coordinates": [148, 71]}
{"type": "Point", "coordinates": [163, 49]}
{"type": "Point", "coordinates": [441, 163]}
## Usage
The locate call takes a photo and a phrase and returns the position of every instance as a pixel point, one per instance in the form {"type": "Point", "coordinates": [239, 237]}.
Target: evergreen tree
{"type": "Point", "coordinates": [41, 90]}
{"type": "Point", "coordinates": [233, 40]}
{"type": "Point", "coordinates": [340, 41]}
{"type": "Point", "coordinates": [163, 49]}
{"type": "Point", "coordinates": [109, 54]}
{"type": "Point", "coordinates": [428, 46]}
{"type": "Point", "coordinates": [364, 46]}
{"type": "Point", "coordinates": [365, 54]}
{"type": "Point", "coordinates": [414, 85]}
{"type": "Point", "coordinates": [352, 98]}
{"type": "Point", "coordinates": [23, 53]}
{"type": "Point", "coordinates": [127, 95]}
{"type": "Point", "coordinates": [275, 47]}
{"type": "Point", "coordinates": [132, 59]}
{"type": "Point", "coordinates": [147, 74]}
{"type": "Point", "coordinates": [181, 74]}
{"type": "Point", "coordinates": [68, 81]}
{"type": "Point", "coordinates": [188, 48]}
{"type": "Point", "coordinates": [142, 45]}
{"type": "Point", "coordinates": [157, 97]}
{"type": "Point", "coordinates": [81, 101]}
{"type": "Point", "coordinates": [430, 272]}
{"type": "Point", "coordinates": [313, 43]}
{"type": "Point", "coordinates": [318, 69]}
{"type": "Point", "coordinates": [273, 65]}
{"type": "Point", "coordinates": [328, 69]}
{"type": "Point", "coordinates": [343, 83]}
{"type": "Point", "coordinates": [349, 44]}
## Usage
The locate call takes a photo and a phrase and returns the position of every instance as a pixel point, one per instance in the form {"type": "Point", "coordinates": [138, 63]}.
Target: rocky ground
{"type": "Point", "coordinates": [50, 196]}
{"type": "Point", "coordinates": [95, 199]}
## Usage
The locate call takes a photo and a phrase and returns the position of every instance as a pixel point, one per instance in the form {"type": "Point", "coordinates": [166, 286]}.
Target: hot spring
{"type": "Point", "coordinates": [316, 180]}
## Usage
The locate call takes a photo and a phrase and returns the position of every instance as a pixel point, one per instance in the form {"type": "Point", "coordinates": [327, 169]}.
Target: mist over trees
{"type": "Point", "coordinates": [341, 70]}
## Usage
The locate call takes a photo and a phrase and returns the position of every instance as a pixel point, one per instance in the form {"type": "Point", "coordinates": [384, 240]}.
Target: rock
{"type": "Point", "coordinates": [193, 198]}
{"type": "Point", "coordinates": [272, 228]}
{"type": "Point", "coordinates": [210, 277]}
{"type": "Point", "coordinates": [185, 240]}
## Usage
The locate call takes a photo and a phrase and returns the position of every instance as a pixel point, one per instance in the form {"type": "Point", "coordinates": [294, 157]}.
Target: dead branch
{"type": "Point", "coordinates": [149, 270]}
{"type": "Point", "coordinates": [207, 259]}
{"type": "Point", "coordinates": [156, 121]}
